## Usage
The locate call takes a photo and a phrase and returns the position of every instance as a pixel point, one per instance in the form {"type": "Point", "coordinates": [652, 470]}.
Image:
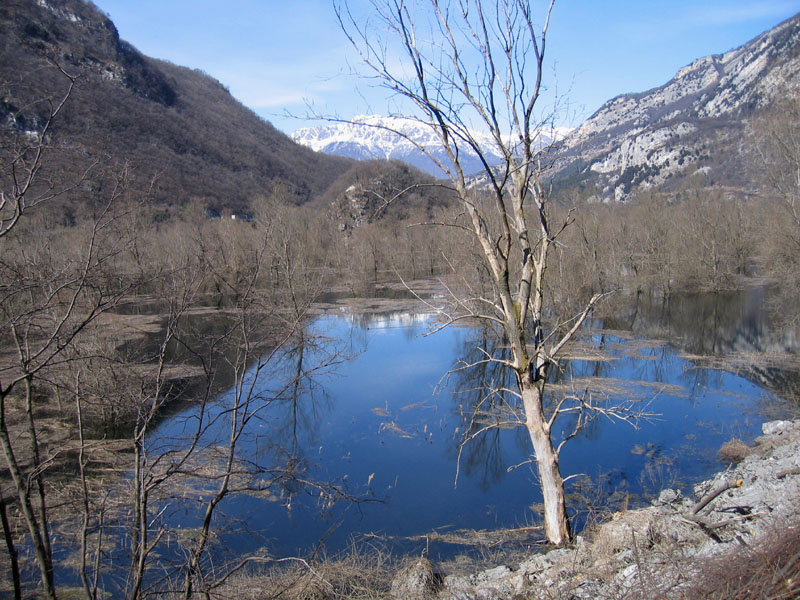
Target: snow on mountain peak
{"type": "Point", "coordinates": [397, 138]}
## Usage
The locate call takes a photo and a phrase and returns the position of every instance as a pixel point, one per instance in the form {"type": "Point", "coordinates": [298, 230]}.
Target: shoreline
{"type": "Point", "coordinates": [664, 550]}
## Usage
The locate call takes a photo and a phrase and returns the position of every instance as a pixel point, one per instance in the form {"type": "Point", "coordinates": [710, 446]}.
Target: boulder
{"type": "Point", "coordinates": [775, 427]}
{"type": "Point", "coordinates": [416, 581]}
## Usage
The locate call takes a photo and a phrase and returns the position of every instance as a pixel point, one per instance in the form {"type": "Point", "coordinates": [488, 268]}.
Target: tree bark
{"type": "Point", "coordinates": [556, 523]}
{"type": "Point", "coordinates": [22, 487]}
{"type": "Point", "coordinates": [12, 550]}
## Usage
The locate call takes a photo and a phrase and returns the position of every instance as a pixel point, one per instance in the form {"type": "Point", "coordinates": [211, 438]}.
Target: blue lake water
{"type": "Point", "coordinates": [383, 425]}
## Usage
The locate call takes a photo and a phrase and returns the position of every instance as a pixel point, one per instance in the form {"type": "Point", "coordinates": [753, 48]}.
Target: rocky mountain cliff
{"type": "Point", "coordinates": [181, 134]}
{"type": "Point", "coordinates": [694, 125]}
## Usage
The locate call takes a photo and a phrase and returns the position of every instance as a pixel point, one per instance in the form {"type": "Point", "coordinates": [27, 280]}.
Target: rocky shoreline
{"type": "Point", "coordinates": [660, 551]}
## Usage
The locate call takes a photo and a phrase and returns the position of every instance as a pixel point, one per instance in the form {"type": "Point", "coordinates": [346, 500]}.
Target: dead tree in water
{"type": "Point", "coordinates": [463, 66]}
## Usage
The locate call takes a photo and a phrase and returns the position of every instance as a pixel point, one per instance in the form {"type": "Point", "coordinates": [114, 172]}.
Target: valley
{"type": "Point", "coordinates": [234, 362]}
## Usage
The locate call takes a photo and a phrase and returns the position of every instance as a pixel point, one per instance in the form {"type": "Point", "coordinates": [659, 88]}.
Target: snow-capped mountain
{"type": "Point", "coordinates": [695, 127]}
{"type": "Point", "coordinates": [374, 137]}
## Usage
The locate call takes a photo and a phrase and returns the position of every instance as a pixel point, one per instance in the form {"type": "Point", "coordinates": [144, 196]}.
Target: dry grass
{"type": "Point", "coordinates": [734, 451]}
{"type": "Point", "coordinates": [743, 361]}
{"type": "Point", "coordinates": [483, 538]}
{"type": "Point", "coordinates": [585, 350]}
{"type": "Point", "coordinates": [769, 570]}
{"type": "Point", "coordinates": [611, 386]}
{"type": "Point", "coordinates": [362, 573]}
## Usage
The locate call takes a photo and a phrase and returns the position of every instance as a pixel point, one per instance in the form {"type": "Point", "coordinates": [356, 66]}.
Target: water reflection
{"type": "Point", "coordinates": [734, 325]}
{"type": "Point", "coordinates": [485, 406]}
{"type": "Point", "coordinates": [385, 426]}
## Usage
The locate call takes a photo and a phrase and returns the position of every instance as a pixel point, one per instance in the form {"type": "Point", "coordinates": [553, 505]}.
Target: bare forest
{"type": "Point", "coordinates": [103, 277]}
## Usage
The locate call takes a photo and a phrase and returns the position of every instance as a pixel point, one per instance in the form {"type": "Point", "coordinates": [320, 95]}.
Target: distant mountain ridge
{"type": "Point", "coordinates": [692, 125]}
{"type": "Point", "coordinates": [372, 137]}
{"type": "Point", "coordinates": [185, 138]}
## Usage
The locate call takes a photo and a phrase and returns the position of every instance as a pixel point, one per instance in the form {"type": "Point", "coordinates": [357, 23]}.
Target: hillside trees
{"type": "Point", "coordinates": [23, 155]}
{"type": "Point", "coordinates": [778, 168]}
{"type": "Point", "coordinates": [84, 385]}
{"type": "Point", "coordinates": [705, 240]}
{"type": "Point", "coordinates": [469, 65]}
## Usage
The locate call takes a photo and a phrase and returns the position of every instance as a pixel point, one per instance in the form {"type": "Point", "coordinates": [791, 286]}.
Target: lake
{"type": "Point", "coordinates": [383, 425]}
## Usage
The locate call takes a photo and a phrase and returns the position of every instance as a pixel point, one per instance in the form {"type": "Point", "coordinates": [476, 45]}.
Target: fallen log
{"type": "Point", "coordinates": [722, 487]}
{"type": "Point", "coordinates": [785, 472]}
{"type": "Point", "coordinates": [706, 523]}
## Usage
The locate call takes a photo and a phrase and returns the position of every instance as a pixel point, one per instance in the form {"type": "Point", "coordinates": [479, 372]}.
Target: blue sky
{"type": "Point", "coordinates": [277, 56]}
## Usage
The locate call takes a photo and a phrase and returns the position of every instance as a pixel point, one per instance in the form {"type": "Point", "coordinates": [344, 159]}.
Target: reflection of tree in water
{"type": "Point", "coordinates": [306, 400]}
{"type": "Point", "coordinates": [411, 324]}
{"type": "Point", "coordinates": [732, 325]}
{"type": "Point", "coordinates": [699, 323]}
{"type": "Point", "coordinates": [299, 405]}
{"type": "Point", "coordinates": [484, 399]}
{"type": "Point", "coordinates": [485, 459]}
{"type": "Point", "coordinates": [490, 412]}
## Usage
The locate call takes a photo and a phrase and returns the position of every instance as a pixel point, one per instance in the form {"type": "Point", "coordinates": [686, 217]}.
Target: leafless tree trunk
{"type": "Point", "coordinates": [19, 170]}
{"type": "Point", "coordinates": [13, 553]}
{"type": "Point", "coordinates": [54, 301]}
{"type": "Point", "coordinates": [461, 66]}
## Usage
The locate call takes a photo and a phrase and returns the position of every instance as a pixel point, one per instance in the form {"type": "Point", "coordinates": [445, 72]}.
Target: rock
{"type": "Point", "coordinates": [775, 427]}
{"type": "Point", "coordinates": [537, 563]}
{"type": "Point", "coordinates": [659, 546]}
{"type": "Point", "coordinates": [668, 497]}
{"type": "Point", "coordinates": [457, 588]}
{"type": "Point", "coordinates": [462, 588]}
{"type": "Point", "coordinates": [499, 583]}
{"type": "Point", "coordinates": [493, 575]}
{"type": "Point", "coordinates": [415, 582]}
{"type": "Point", "coordinates": [618, 534]}
{"type": "Point", "coordinates": [555, 555]}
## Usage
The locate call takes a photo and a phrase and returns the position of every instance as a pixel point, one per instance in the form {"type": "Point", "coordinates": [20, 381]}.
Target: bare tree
{"type": "Point", "coordinates": [467, 65]}
{"type": "Point", "coordinates": [48, 300]}
{"type": "Point", "coordinates": [777, 135]}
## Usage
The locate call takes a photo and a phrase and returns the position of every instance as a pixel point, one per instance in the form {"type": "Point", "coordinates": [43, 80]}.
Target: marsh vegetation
{"type": "Point", "coordinates": [165, 375]}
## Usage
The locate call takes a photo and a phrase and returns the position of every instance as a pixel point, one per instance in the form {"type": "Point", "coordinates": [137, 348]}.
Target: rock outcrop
{"type": "Point", "coordinates": [658, 550]}
{"type": "Point", "coordinates": [692, 126]}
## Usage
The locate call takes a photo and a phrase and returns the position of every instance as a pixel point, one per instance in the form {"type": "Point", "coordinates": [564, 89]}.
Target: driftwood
{"type": "Point", "coordinates": [707, 524]}
{"type": "Point", "coordinates": [722, 487]}
{"type": "Point", "coordinates": [784, 473]}
{"type": "Point", "coordinates": [703, 521]}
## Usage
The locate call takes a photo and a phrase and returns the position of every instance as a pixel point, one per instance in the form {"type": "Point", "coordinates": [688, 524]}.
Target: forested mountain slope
{"type": "Point", "coordinates": [179, 132]}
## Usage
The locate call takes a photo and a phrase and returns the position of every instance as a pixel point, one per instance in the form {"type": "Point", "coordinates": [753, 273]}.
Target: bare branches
{"type": "Point", "coordinates": [577, 322]}
{"type": "Point", "coordinates": [468, 65]}
{"type": "Point", "coordinates": [24, 166]}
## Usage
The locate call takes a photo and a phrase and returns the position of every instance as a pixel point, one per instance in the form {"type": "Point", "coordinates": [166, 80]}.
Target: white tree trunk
{"type": "Point", "coordinates": [556, 523]}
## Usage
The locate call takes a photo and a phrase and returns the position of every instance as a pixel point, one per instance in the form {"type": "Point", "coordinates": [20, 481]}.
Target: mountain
{"type": "Point", "coordinates": [691, 130]}
{"type": "Point", "coordinates": [178, 132]}
{"type": "Point", "coordinates": [394, 138]}
{"type": "Point", "coordinates": [694, 126]}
